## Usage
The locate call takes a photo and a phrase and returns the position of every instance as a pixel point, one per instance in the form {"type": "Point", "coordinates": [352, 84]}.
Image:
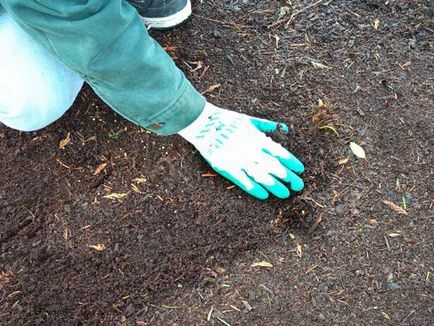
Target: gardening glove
{"type": "Point", "coordinates": [235, 145]}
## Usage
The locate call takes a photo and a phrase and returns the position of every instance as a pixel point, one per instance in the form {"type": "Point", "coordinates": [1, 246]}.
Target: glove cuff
{"type": "Point", "coordinates": [200, 123]}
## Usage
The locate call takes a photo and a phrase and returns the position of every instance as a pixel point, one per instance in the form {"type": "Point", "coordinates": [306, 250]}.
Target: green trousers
{"type": "Point", "coordinates": [106, 43]}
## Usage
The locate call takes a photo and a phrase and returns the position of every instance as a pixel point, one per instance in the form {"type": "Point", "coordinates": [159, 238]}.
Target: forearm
{"type": "Point", "coordinates": [107, 44]}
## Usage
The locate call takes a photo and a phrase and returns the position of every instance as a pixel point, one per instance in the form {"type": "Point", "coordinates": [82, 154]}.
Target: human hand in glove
{"type": "Point", "coordinates": [235, 145]}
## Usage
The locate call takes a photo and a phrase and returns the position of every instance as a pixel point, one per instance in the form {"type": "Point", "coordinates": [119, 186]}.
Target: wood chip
{"type": "Point", "coordinates": [385, 316]}
{"type": "Point", "coordinates": [299, 250]}
{"type": "Point", "coordinates": [139, 180]}
{"type": "Point", "coordinates": [100, 168]}
{"type": "Point", "coordinates": [98, 247]}
{"type": "Point", "coordinates": [247, 305]}
{"type": "Point", "coordinates": [395, 208]}
{"type": "Point", "coordinates": [208, 175]}
{"type": "Point", "coordinates": [66, 233]}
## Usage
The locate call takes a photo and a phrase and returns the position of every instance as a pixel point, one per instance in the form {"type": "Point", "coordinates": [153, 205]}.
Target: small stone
{"type": "Point", "coordinates": [130, 310]}
{"type": "Point", "coordinates": [393, 286]}
{"type": "Point", "coordinates": [412, 43]}
{"type": "Point", "coordinates": [339, 209]}
{"type": "Point", "coordinates": [252, 295]}
{"type": "Point", "coordinates": [390, 277]}
{"type": "Point", "coordinates": [323, 287]}
{"type": "Point", "coordinates": [216, 34]}
{"type": "Point", "coordinates": [321, 316]}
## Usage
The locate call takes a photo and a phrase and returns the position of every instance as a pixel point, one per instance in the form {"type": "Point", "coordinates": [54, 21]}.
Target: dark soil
{"type": "Point", "coordinates": [179, 246]}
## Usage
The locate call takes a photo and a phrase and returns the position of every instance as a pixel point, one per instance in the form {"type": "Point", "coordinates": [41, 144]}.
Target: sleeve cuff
{"type": "Point", "coordinates": [181, 114]}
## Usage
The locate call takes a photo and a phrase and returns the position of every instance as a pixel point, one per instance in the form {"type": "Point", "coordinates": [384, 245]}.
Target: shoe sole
{"type": "Point", "coordinates": [171, 21]}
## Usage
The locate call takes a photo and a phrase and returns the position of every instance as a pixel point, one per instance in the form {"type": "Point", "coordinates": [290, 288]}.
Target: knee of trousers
{"type": "Point", "coordinates": [35, 88]}
{"type": "Point", "coordinates": [31, 114]}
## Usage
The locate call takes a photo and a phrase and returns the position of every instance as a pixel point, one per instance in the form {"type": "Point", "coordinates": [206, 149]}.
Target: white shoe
{"type": "Point", "coordinates": [166, 14]}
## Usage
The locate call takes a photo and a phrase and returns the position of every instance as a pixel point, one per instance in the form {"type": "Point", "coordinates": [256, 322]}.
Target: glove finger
{"type": "Point", "coordinates": [259, 173]}
{"type": "Point", "coordinates": [276, 168]}
{"type": "Point", "coordinates": [284, 156]}
{"type": "Point", "coordinates": [296, 183]}
{"type": "Point", "coordinates": [278, 189]}
{"type": "Point", "coordinates": [268, 126]}
{"type": "Point", "coordinates": [242, 180]}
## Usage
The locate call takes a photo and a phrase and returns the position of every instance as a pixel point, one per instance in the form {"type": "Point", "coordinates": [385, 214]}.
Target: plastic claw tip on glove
{"type": "Point", "coordinates": [236, 146]}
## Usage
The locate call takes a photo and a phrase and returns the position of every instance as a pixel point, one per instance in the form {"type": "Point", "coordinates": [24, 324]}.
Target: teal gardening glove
{"type": "Point", "coordinates": [235, 145]}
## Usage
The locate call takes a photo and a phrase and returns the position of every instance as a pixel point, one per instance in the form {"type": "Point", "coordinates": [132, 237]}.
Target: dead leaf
{"type": "Point", "coordinates": [395, 208]}
{"type": "Point", "coordinates": [299, 250]}
{"type": "Point", "coordinates": [343, 161]}
{"type": "Point", "coordinates": [320, 103]}
{"type": "Point", "coordinates": [98, 247]}
{"type": "Point", "coordinates": [330, 128]}
{"type": "Point", "coordinates": [115, 195]}
{"type": "Point", "coordinates": [100, 168]}
{"type": "Point", "coordinates": [376, 23]}
{"type": "Point", "coordinates": [262, 264]}
{"type": "Point", "coordinates": [65, 142]}
{"type": "Point", "coordinates": [394, 234]}
{"type": "Point", "coordinates": [5, 277]}
{"type": "Point", "coordinates": [211, 88]}
{"type": "Point", "coordinates": [357, 150]}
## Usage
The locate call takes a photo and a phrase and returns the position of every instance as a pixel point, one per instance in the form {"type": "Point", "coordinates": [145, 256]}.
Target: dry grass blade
{"type": "Point", "coordinates": [211, 89]}
{"type": "Point", "coordinates": [262, 264]}
{"type": "Point", "coordinates": [65, 142]}
{"type": "Point", "coordinates": [115, 195]}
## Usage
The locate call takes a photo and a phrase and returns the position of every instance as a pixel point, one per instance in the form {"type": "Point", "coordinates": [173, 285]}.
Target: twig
{"type": "Point", "coordinates": [387, 243]}
{"type": "Point", "coordinates": [222, 321]}
{"type": "Point", "coordinates": [295, 14]}
{"type": "Point", "coordinates": [315, 224]}
{"type": "Point", "coordinates": [313, 200]}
